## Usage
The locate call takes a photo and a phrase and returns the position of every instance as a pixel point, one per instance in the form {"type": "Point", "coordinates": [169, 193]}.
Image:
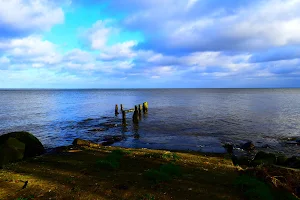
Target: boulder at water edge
{"type": "Point", "coordinates": [248, 146]}
{"type": "Point", "coordinates": [11, 150]}
{"type": "Point", "coordinates": [14, 142]}
{"type": "Point", "coordinates": [264, 158]}
{"type": "Point", "coordinates": [293, 162]}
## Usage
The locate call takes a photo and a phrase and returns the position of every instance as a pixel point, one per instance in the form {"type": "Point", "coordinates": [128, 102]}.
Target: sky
{"type": "Point", "coordinates": [149, 43]}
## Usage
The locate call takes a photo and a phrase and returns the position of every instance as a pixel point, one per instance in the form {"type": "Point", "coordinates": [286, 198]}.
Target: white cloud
{"type": "Point", "coordinates": [31, 49]}
{"type": "Point", "coordinates": [79, 56]}
{"type": "Point", "coordinates": [117, 51]}
{"type": "Point", "coordinates": [190, 3]}
{"type": "Point", "coordinates": [250, 26]}
{"type": "Point", "coordinates": [98, 35]}
{"type": "Point", "coordinates": [26, 15]}
{"type": "Point", "coordinates": [4, 60]}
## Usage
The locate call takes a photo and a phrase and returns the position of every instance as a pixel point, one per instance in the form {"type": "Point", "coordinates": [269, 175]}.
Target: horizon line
{"type": "Point", "coordinates": [148, 88]}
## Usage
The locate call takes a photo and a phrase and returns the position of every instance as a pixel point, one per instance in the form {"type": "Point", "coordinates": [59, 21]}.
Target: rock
{"type": "Point", "coordinates": [228, 147]}
{"type": "Point", "coordinates": [281, 160]}
{"type": "Point", "coordinates": [266, 146]}
{"type": "Point", "coordinates": [98, 129]}
{"type": "Point", "coordinates": [293, 162]}
{"type": "Point", "coordinates": [12, 150]}
{"type": "Point", "coordinates": [118, 138]}
{"type": "Point", "coordinates": [109, 140]}
{"type": "Point", "coordinates": [33, 147]}
{"type": "Point", "coordinates": [292, 143]}
{"type": "Point", "coordinates": [248, 146]}
{"type": "Point", "coordinates": [263, 158]}
{"type": "Point", "coordinates": [80, 142]}
{"type": "Point", "coordinates": [109, 125]}
{"type": "Point", "coordinates": [241, 160]}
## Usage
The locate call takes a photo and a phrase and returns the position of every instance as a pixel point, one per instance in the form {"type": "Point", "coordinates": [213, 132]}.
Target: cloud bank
{"type": "Point", "coordinates": [166, 43]}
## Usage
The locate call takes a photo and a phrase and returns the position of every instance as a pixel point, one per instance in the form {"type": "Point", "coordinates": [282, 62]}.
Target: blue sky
{"type": "Point", "coordinates": [149, 43]}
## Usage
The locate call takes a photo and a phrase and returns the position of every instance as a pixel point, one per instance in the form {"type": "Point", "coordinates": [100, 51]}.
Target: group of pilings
{"type": "Point", "coordinates": [137, 112]}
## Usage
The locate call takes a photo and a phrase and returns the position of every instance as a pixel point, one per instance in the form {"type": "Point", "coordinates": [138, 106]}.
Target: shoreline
{"type": "Point", "coordinates": [86, 172]}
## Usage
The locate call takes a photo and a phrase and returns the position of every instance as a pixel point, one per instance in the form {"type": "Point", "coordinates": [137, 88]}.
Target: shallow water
{"type": "Point", "coordinates": [194, 119]}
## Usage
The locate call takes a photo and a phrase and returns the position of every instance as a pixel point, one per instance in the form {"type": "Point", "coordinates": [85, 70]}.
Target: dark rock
{"type": "Point", "coordinates": [292, 143]}
{"type": "Point", "coordinates": [118, 138]}
{"type": "Point", "coordinates": [228, 147]}
{"type": "Point", "coordinates": [80, 142]}
{"type": "Point", "coordinates": [263, 158]}
{"type": "Point", "coordinates": [33, 147]}
{"type": "Point", "coordinates": [109, 140]}
{"type": "Point", "coordinates": [281, 160]}
{"type": "Point", "coordinates": [240, 160]}
{"type": "Point", "coordinates": [293, 162]}
{"type": "Point", "coordinates": [266, 146]}
{"type": "Point", "coordinates": [248, 146]}
{"type": "Point", "coordinates": [12, 150]}
{"type": "Point", "coordinates": [98, 129]}
{"type": "Point", "coordinates": [109, 125]}
{"type": "Point", "coordinates": [88, 119]}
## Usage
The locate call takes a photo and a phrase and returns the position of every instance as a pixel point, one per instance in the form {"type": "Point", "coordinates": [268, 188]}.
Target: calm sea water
{"type": "Point", "coordinates": [194, 119]}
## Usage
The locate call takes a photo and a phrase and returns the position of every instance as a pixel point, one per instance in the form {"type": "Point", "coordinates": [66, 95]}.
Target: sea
{"type": "Point", "coordinates": [177, 119]}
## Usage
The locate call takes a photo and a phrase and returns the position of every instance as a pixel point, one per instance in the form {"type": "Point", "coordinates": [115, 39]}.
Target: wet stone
{"type": "Point", "coordinates": [266, 146]}
{"type": "Point", "coordinates": [248, 146]}
{"type": "Point", "coordinates": [99, 129]}
{"type": "Point", "coordinates": [109, 140]}
{"type": "Point", "coordinates": [228, 147]}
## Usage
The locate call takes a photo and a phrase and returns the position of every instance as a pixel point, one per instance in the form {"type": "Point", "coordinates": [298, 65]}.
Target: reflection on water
{"type": "Point", "coordinates": [196, 119]}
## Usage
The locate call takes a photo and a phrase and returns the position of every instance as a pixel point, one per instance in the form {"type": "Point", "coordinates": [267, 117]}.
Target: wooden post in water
{"type": "Point", "coordinates": [116, 110]}
{"type": "Point", "coordinates": [145, 107]}
{"type": "Point", "coordinates": [124, 118]}
{"type": "Point", "coordinates": [140, 108]}
{"type": "Point", "coordinates": [121, 107]}
{"type": "Point", "coordinates": [135, 117]}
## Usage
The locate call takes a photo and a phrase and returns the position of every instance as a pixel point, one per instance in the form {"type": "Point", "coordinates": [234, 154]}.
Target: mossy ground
{"type": "Point", "coordinates": [76, 174]}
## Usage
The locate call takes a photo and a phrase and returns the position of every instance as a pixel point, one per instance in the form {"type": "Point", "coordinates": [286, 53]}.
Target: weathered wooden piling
{"type": "Point", "coordinates": [124, 118]}
{"type": "Point", "coordinates": [116, 109]}
{"type": "Point", "coordinates": [121, 107]}
{"type": "Point", "coordinates": [140, 109]}
{"type": "Point", "coordinates": [135, 116]}
{"type": "Point", "coordinates": [145, 107]}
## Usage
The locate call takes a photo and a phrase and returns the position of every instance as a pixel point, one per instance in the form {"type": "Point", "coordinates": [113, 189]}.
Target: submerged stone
{"type": "Point", "coordinates": [109, 140]}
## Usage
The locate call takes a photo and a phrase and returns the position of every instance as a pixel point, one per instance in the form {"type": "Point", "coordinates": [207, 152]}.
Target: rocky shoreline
{"type": "Point", "coordinates": [279, 171]}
